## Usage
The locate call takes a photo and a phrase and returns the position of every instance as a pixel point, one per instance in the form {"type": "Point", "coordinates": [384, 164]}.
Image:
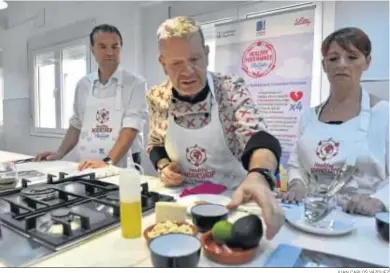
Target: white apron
{"type": "Point", "coordinates": [102, 124]}
{"type": "Point", "coordinates": [203, 154]}
{"type": "Point", "coordinates": [324, 148]}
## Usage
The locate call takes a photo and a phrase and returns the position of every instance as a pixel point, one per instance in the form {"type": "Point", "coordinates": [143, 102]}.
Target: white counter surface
{"type": "Point", "coordinates": [110, 250]}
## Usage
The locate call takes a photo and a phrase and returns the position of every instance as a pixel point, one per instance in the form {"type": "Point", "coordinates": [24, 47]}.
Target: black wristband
{"type": "Point", "coordinates": [268, 175]}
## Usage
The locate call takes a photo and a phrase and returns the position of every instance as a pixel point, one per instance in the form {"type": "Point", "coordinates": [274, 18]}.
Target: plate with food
{"type": "Point", "coordinates": [167, 227]}
{"type": "Point", "coordinates": [192, 200]}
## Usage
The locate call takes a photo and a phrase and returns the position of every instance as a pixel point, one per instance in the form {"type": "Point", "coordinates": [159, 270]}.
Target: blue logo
{"type": "Point", "coordinates": [260, 25]}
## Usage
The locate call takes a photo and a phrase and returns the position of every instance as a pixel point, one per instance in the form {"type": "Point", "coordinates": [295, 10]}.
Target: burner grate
{"type": "Point", "coordinates": [93, 204]}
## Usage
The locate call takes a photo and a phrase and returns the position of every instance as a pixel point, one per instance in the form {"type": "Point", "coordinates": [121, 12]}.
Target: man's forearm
{"type": "Point", "coordinates": [263, 144]}
{"type": "Point", "coordinates": [122, 144]}
{"type": "Point", "coordinates": [70, 141]}
{"type": "Point", "coordinates": [158, 156]}
{"type": "Point", "coordinates": [263, 158]}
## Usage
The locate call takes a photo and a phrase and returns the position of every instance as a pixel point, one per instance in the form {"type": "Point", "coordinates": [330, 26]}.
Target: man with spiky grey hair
{"type": "Point", "coordinates": [205, 127]}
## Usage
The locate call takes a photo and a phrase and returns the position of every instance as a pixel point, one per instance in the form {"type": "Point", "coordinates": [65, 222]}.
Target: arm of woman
{"type": "Point", "coordinates": [297, 185]}
{"type": "Point", "coordinates": [296, 172]}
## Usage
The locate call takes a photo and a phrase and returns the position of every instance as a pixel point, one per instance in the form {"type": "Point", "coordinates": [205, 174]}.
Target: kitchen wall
{"type": "Point", "coordinates": [27, 19]}
{"type": "Point", "coordinates": [138, 23]}
{"type": "Point", "coordinates": [373, 18]}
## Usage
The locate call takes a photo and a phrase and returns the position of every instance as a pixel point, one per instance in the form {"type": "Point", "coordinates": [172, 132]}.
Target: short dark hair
{"type": "Point", "coordinates": [104, 28]}
{"type": "Point", "coordinates": [345, 37]}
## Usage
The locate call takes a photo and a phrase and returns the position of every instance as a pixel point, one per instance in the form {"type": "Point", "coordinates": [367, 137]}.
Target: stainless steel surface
{"type": "Point", "coordinates": [17, 250]}
{"type": "Point", "coordinates": [39, 220]}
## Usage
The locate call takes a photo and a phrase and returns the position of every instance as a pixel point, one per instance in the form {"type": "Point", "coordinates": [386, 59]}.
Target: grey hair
{"type": "Point", "coordinates": [180, 26]}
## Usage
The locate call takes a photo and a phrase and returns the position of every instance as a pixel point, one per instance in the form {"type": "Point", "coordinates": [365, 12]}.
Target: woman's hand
{"type": "Point", "coordinates": [363, 205]}
{"type": "Point", "coordinates": [296, 193]}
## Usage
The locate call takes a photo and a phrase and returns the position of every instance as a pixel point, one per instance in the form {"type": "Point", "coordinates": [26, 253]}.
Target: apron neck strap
{"type": "Point", "coordinates": [210, 82]}
{"type": "Point", "coordinates": [118, 92]}
{"type": "Point", "coordinates": [365, 111]}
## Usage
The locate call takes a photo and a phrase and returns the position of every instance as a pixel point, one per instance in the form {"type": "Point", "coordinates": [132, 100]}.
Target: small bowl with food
{"type": "Point", "coordinates": [204, 216]}
{"type": "Point", "coordinates": [233, 243]}
{"type": "Point", "coordinates": [167, 227]}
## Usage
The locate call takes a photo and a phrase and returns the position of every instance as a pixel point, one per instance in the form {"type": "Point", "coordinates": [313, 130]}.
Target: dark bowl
{"type": "Point", "coordinates": [382, 224]}
{"type": "Point", "coordinates": [175, 250]}
{"type": "Point", "coordinates": [204, 216]}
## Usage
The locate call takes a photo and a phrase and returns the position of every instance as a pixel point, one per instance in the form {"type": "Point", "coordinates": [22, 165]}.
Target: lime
{"type": "Point", "coordinates": [222, 231]}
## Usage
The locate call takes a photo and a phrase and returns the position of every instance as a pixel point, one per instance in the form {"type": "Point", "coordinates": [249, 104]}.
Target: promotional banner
{"type": "Point", "coordinates": [274, 55]}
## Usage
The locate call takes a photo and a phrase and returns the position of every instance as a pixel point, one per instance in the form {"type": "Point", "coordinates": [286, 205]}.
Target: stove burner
{"type": "Point", "coordinates": [39, 193]}
{"type": "Point", "coordinates": [62, 213]}
{"type": "Point", "coordinates": [49, 225]}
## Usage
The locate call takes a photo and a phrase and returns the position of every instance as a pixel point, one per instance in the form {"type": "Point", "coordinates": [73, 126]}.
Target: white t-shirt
{"type": "Point", "coordinates": [133, 96]}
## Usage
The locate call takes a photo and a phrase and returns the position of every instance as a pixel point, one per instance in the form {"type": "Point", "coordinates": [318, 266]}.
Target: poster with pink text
{"type": "Point", "coordinates": [274, 55]}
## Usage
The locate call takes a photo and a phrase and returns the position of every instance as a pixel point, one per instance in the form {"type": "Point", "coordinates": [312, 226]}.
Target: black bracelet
{"type": "Point", "coordinates": [267, 174]}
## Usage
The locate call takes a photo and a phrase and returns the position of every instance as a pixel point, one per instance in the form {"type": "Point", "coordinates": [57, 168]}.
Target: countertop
{"type": "Point", "coordinates": [111, 250]}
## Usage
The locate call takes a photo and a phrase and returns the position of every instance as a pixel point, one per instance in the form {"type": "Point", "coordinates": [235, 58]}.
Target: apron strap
{"type": "Point", "coordinates": [93, 82]}
{"type": "Point", "coordinates": [365, 112]}
{"type": "Point", "coordinates": [118, 92]}
{"type": "Point", "coordinates": [210, 82]}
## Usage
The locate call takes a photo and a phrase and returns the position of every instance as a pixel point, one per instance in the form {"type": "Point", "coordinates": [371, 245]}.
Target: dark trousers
{"type": "Point", "coordinates": [137, 159]}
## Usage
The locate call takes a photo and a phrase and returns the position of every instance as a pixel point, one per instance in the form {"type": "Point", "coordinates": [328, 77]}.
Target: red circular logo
{"type": "Point", "coordinates": [102, 115]}
{"type": "Point", "coordinates": [259, 59]}
{"type": "Point", "coordinates": [196, 155]}
{"type": "Point", "coordinates": [327, 149]}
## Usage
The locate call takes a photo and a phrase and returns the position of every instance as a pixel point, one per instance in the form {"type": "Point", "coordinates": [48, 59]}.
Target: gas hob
{"type": "Point", "coordinates": [38, 220]}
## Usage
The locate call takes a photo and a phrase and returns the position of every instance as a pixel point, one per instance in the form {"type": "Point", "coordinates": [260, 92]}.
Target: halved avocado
{"type": "Point", "coordinates": [246, 232]}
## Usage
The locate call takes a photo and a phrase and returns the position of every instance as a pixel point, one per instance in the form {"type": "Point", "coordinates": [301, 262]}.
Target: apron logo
{"type": "Point", "coordinates": [196, 155]}
{"type": "Point", "coordinates": [327, 149]}
{"type": "Point", "coordinates": [102, 115]}
{"type": "Point", "coordinates": [102, 131]}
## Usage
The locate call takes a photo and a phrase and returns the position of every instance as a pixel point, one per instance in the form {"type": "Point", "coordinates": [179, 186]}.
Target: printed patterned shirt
{"type": "Point", "coordinates": [239, 116]}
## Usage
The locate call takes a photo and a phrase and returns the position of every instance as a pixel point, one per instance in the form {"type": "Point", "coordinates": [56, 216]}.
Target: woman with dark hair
{"type": "Point", "coordinates": [350, 127]}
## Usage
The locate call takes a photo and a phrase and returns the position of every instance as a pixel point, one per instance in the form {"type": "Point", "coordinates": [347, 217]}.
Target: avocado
{"type": "Point", "coordinates": [246, 232]}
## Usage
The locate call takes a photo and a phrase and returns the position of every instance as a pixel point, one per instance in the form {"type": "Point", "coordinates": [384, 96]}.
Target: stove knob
{"type": "Point", "coordinates": [62, 175]}
{"type": "Point", "coordinates": [50, 178]}
{"type": "Point", "coordinates": [25, 182]}
{"type": "Point", "coordinates": [144, 189]}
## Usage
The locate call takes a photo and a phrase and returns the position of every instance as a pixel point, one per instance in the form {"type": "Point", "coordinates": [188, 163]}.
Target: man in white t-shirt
{"type": "Point", "coordinates": [110, 109]}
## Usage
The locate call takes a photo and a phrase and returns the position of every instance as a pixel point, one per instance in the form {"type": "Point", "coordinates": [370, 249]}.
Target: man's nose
{"type": "Point", "coordinates": [189, 68]}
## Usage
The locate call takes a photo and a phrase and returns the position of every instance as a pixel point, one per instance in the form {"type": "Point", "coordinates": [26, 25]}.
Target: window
{"type": "Point", "coordinates": [56, 73]}
{"type": "Point", "coordinates": [57, 60]}
{"type": "Point", "coordinates": [74, 67]}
